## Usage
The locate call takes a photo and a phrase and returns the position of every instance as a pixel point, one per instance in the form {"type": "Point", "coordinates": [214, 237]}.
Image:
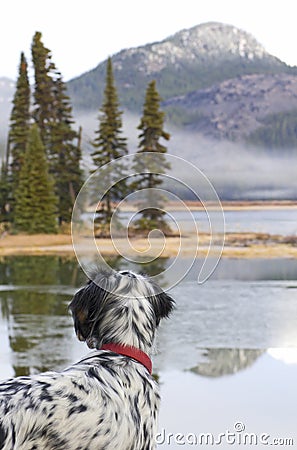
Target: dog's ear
{"type": "Point", "coordinates": [163, 305]}
{"type": "Point", "coordinates": [85, 308]}
{"type": "Point", "coordinates": [80, 312]}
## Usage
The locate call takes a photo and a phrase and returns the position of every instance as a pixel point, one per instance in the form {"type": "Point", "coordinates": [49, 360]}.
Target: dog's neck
{"type": "Point", "coordinates": [139, 342]}
{"type": "Point", "coordinates": [131, 352]}
{"type": "Point", "coordinates": [134, 327]}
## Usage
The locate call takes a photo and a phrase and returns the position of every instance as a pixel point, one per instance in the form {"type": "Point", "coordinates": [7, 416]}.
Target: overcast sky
{"type": "Point", "coordinates": [81, 34]}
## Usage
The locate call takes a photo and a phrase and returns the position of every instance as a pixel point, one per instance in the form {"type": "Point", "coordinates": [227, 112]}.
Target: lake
{"type": "Point", "coordinates": [226, 360]}
{"type": "Point", "coordinates": [281, 221]}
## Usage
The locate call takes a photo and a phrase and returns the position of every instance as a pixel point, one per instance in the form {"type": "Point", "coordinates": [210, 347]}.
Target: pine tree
{"type": "Point", "coordinates": [109, 145]}
{"type": "Point", "coordinates": [19, 123]}
{"type": "Point", "coordinates": [65, 153]}
{"type": "Point", "coordinates": [35, 207]}
{"type": "Point", "coordinates": [150, 166]}
{"type": "Point", "coordinates": [53, 114]}
{"type": "Point", "coordinates": [44, 75]}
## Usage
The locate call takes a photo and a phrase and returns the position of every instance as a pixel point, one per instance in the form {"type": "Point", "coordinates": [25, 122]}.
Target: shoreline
{"type": "Point", "coordinates": [227, 205]}
{"type": "Point", "coordinates": [237, 245]}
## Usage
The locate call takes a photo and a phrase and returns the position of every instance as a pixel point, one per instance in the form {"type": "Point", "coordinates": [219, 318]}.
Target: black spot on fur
{"type": "Point", "coordinates": [77, 410]}
{"type": "Point", "coordinates": [46, 396]}
{"type": "Point", "coordinates": [72, 398]}
{"type": "Point", "coordinates": [92, 373]}
{"type": "Point", "coordinates": [3, 435]}
{"type": "Point", "coordinates": [135, 411]}
{"type": "Point", "coordinates": [79, 386]}
{"type": "Point", "coordinates": [13, 434]}
{"type": "Point", "coordinates": [127, 272]}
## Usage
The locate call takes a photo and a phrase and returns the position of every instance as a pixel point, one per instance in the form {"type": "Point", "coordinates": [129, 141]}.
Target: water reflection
{"type": "Point", "coordinates": [34, 321]}
{"type": "Point", "coordinates": [41, 337]}
{"type": "Point", "coordinates": [245, 317]}
{"type": "Point", "coordinates": [40, 270]}
{"type": "Point", "coordinates": [150, 268]}
{"type": "Point", "coordinates": [57, 270]}
{"type": "Point", "coordinates": [226, 361]}
{"type": "Point", "coordinates": [36, 331]}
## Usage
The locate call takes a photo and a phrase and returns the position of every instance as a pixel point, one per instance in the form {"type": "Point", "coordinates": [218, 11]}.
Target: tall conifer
{"type": "Point", "coordinates": [151, 132]}
{"type": "Point", "coordinates": [53, 114]}
{"type": "Point", "coordinates": [65, 153]}
{"type": "Point", "coordinates": [35, 207]}
{"type": "Point", "coordinates": [44, 75]}
{"type": "Point", "coordinates": [109, 145]}
{"type": "Point", "coordinates": [19, 123]}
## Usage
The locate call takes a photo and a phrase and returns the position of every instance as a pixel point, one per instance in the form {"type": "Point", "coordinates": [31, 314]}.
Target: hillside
{"type": "Point", "coordinates": [236, 108]}
{"type": "Point", "coordinates": [189, 60]}
{"type": "Point", "coordinates": [215, 80]}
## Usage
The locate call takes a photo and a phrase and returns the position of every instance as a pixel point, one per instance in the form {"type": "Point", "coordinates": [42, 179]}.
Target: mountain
{"type": "Point", "coordinates": [189, 60]}
{"type": "Point", "coordinates": [215, 79]}
{"type": "Point", "coordinates": [237, 109]}
{"type": "Point", "coordinates": [222, 361]}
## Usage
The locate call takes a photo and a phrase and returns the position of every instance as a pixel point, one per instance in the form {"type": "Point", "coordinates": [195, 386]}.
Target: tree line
{"type": "Point", "coordinates": [42, 175]}
{"type": "Point", "coordinates": [277, 131]}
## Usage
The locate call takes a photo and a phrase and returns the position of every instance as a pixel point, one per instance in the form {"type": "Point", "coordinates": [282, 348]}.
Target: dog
{"type": "Point", "coordinates": [109, 399]}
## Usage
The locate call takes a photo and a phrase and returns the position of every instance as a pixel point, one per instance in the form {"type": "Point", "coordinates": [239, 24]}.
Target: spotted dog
{"type": "Point", "coordinates": [108, 400]}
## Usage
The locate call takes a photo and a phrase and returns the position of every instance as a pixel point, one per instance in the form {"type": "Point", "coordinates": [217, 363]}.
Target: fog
{"type": "Point", "coordinates": [235, 170]}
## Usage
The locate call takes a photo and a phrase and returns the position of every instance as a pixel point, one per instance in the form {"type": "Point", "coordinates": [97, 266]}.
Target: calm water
{"type": "Point", "coordinates": [216, 359]}
{"type": "Point", "coordinates": [272, 221]}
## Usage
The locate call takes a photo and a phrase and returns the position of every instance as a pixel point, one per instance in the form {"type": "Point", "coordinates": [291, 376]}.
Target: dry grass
{"type": "Point", "coordinates": [237, 245]}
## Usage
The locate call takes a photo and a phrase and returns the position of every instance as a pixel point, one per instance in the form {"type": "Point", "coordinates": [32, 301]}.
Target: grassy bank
{"type": "Point", "coordinates": [237, 245]}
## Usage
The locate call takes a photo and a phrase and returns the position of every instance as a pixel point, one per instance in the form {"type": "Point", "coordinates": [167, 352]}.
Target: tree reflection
{"type": "Point", "coordinates": [150, 268]}
{"type": "Point", "coordinates": [226, 361]}
{"type": "Point", "coordinates": [40, 270]}
{"type": "Point", "coordinates": [39, 330]}
{"type": "Point", "coordinates": [35, 308]}
{"type": "Point", "coordinates": [34, 301]}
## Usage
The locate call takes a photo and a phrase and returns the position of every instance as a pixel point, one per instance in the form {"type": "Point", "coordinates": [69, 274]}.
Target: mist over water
{"type": "Point", "coordinates": [238, 171]}
{"type": "Point", "coordinates": [235, 170]}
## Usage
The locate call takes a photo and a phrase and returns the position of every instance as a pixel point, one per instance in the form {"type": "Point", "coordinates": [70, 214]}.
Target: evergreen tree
{"type": "Point", "coordinates": [150, 166]}
{"type": "Point", "coordinates": [65, 153]}
{"type": "Point", "coordinates": [53, 115]}
{"type": "Point", "coordinates": [19, 123]}
{"type": "Point", "coordinates": [35, 207]}
{"type": "Point", "coordinates": [109, 145]}
{"type": "Point", "coordinates": [44, 75]}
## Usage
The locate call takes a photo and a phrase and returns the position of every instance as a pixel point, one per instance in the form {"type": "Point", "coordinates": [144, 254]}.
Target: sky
{"type": "Point", "coordinates": [81, 34]}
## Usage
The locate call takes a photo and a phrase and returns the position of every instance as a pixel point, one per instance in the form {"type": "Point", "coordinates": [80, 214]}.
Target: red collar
{"type": "Point", "coordinates": [132, 352]}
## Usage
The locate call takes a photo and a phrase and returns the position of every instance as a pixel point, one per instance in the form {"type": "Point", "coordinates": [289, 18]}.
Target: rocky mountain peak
{"type": "Point", "coordinates": [210, 42]}
{"type": "Point", "coordinates": [188, 60]}
{"type": "Point", "coordinates": [214, 39]}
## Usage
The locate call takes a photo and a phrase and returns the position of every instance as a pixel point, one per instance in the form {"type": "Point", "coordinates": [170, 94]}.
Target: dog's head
{"type": "Point", "coordinates": [119, 307]}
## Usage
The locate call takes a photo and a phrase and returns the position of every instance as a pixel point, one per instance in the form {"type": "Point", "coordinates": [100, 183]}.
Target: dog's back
{"type": "Point", "coordinates": [105, 401]}
{"type": "Point", "coordinates": [108, 400]}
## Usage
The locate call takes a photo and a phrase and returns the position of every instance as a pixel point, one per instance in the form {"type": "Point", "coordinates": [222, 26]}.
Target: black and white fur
{"type": "Point", "coordinates": [105, 401]}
